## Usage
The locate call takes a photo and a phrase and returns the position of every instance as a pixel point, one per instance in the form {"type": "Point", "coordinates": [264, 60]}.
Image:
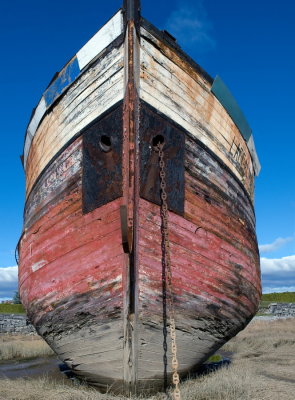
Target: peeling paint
{"type": "Point", "coordinates": [38, 265]}
{"type": "Point", "coordinates": [99, 305]}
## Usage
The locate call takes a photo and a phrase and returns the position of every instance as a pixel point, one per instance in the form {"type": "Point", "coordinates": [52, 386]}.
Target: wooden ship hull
{"type": "Point", "coordinates": [90, 256]}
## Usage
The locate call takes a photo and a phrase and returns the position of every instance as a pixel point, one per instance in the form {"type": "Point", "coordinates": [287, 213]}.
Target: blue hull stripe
{"type": "Point", "coordinates": [65, 78]}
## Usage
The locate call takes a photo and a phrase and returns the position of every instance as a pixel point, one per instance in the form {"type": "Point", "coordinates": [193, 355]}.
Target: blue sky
{"type": "Point", "coordinates": [249, 44]}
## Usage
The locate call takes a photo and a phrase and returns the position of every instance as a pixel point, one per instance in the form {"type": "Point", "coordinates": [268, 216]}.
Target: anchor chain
{"type": "Point", "coordinates": [167, 261]}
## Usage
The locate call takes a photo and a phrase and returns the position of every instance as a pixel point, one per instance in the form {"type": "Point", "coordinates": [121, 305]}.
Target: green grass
{"type": "Point", "coordinates": [12, 309]}
{"type": "Point", "coordinates": [286, 297]}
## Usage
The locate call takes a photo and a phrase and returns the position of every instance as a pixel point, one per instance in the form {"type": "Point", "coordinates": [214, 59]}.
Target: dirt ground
{"type": "Point", "coordinates": [262, 368]}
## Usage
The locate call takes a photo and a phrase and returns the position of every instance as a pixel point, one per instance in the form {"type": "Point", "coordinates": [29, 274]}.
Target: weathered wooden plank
{"type": "Point", "coordinates": [87, 115]}
{"type": "Point", "coordinates": [188, 96]}
{"type": "Point", "coordinates": [49, 251]}
{"type": "Point", "coordinates": [131, 177]}
{"type": "Point", "coordinates": [65, 273]}
{"type": "Point", "coordinates": [38, 114]}
{"type": "Point", "coordinates": [203, 218]}
{"type": "Point", "coordinates": [201, 276]}
{"type": "Point", "coordinates": [106, 35]}
{"type": "Point", "coordinates": [216, 214]}
{"type": "Point", "coordinates": [177, 59]}
{"type": "Point", "coordinates": [101, 309]}
{"type": "Point", "coordinates": [203, 225]}
{"type": "Point", "coordinates": [60, 232]}
{"type": "Point", "coordinates": [56, 225]}
{"type": "Point", "coordinates": [101, 88]}
{"type": "Point", "coordinates": [54, 218]}
{"type": "Point", "coordinates": [211, 224]}
{"type": "Point", "coordinates": [196, 280]}
{"type": "Point", "coordinates": [171, 90]}
{"type": "Point", "coordinates": [105, 360]}
{"type": "Point", "coordinates": [197, 343]}
{"type": "Point", "coordinates": [85, 346]}
{"type": "Point", "coordinates": [225, 190]}
{"type": "Point", "coordinates": [160, 101]}
{"type": "Point", "coordinates": [100, 71]}
{"type": "Point", "coordinates": [63, 175]}
{"type": "Point", "coordinates": [64, 238]}
{"type": "Point", "coordinates": [68, 75]}
{"type": "Point", "coordinates": [102, 39]}
{"type": "Point", "coordinates": [214, 262]}
{"type": "Point", "coordinates": [193, 234]}
{"type": "Point", "coordinates": [174, 67]}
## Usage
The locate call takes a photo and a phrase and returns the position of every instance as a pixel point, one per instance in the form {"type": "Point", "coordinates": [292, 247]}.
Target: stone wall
{"type": "Point", "coordinates": [14, 323]}
{"type": "Point", "coordinates": [282, 309]}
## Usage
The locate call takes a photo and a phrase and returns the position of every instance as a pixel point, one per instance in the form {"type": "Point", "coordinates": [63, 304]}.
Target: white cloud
{"type": "Point", "coordinates": [8, 274]}
{"type": "Point", "coordinates": [277, 265]}
{"type": "Point", "coordinates": [277, 244]}
{"type": "Point", "coordinates": [278, 274]}
{"type": "Point", "coordinates": [190, 25]}
{"type": "Point", "coordinates": [8, 282]}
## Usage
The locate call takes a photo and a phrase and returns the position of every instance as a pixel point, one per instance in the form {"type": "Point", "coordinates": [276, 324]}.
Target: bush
{"type": "Point", "coordinates": [16, 298]}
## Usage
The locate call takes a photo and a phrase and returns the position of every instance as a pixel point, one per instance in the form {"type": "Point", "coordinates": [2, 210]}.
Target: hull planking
{"type": "Point", "coordinates": [91, 274]}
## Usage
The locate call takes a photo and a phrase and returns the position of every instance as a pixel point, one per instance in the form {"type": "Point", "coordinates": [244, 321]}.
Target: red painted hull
{"type": "Point", "coordinates": [91, 273]}
{"type": "Point", "coordinates": [74, 273]}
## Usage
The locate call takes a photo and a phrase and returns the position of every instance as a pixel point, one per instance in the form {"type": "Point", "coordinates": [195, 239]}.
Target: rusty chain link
{"type": "Point", "coordinates": [164, 215]}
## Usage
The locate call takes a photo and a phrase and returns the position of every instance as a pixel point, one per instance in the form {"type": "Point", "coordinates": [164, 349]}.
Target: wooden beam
{"type": "Point", "coordinates": [132, 12]}
{"type": "Point", "coordinates": [131, 192]}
